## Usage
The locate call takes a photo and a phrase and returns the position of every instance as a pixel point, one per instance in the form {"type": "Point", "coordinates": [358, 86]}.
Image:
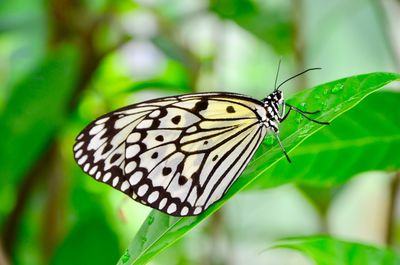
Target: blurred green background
{"type": "Point", "coordinates": [64, 63]}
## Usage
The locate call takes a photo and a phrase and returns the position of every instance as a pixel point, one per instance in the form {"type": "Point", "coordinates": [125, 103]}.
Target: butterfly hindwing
{"type": "Point", "coordinates": [100, 148]}
{"type": "Point", "coordinates": [177, 154]}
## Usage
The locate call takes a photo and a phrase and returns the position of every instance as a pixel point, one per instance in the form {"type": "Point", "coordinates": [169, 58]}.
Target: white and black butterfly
{"type": "Point", "coordinates": [180, 154]}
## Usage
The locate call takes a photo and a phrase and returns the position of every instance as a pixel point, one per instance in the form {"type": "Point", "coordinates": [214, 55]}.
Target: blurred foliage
{"type": "Point", "coordinates": [329, 251]}
{"type": "Point", "coordinates": [64, 63]}
{"type": "Point", "coordinates": [37, 107]}
{"type": "Point", "coordinates": [271, 24]}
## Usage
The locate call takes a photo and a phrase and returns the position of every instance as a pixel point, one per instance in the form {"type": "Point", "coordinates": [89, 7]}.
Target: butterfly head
{"type": "Point", "coordinates": [277, 96]}
{"type": "Point", "coordinates": [274, 103]}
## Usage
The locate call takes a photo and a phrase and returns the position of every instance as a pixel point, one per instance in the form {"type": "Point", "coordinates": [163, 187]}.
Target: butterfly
{"type": "Point", "coordinates": [180, 154]}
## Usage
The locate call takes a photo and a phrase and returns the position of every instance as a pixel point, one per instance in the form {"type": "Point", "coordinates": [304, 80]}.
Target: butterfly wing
{"type": "Point", "coordinates": [176, 154]}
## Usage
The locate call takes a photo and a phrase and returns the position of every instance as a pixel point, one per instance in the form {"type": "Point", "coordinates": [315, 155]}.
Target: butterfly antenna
{"type": "Point", "coordinates": [283, 148]}
{"type": "Point", "coordinates": [290, 78]}
{"type": "Point", "coordinates": [277, 74]}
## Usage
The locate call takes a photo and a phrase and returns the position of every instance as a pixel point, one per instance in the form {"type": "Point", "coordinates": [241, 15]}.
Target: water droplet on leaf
{"type": "Point", "coordinates": [303, 133]}
{"type": "Point", "coordinates": [125, 257]}
{"type": "Point", "coordinates": [324, 106]}
{"type": "Point", "coordinates": [270, 139]}
{"type": "Point", "coordinates": [150, 220]}
{"type": "Point", "coordinates": [299, 118]}
{"type": "Point", "coordinates": [337, 88]}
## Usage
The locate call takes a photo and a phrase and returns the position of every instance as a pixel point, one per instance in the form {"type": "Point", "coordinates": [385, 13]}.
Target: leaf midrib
{"type": "Point", "coordinates": [155, 241]}
{"type": "Point", "coordinates": [342, 144]}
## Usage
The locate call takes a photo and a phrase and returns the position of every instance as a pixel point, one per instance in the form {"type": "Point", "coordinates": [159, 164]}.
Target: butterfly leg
{"type": "Point", "coordinates": [302, 113]}
{"type": "Point", "coordinates": [274, 128]}
{"type": "Point", "coordinates": [282, 147]}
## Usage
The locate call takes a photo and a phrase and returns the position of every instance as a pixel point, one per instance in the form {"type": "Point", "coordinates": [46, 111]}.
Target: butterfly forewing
{"type": "Point", "coordinates": [177, 154]}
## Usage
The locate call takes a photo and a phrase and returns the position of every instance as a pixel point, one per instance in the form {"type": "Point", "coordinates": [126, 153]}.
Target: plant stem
{"type": "Point", "coordinates": [391, 216]}
{"type": "Point", "coordinates": [387, 13]}
{"type": "Point", "coordinates": [25, 190]}
{"type": "Point", "coordinates": [3, 259]}
{"type": "Point", "coordinates": [54, 216]}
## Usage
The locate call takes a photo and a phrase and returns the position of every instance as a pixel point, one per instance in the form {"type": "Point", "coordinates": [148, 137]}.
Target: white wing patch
{"type": "Point", "coordinates": [178, 154]}
{"type": "Point", "coordinates": [100, 147]}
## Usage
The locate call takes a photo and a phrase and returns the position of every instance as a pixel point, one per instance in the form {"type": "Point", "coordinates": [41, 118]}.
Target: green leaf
{"type": "Point", "coordinates": [271, 25]}
{"type": "Point", "coordinates": [325, 250]}
{"type": "Point", "coordinates": [334, 98]}
{"type": "Point", "coordinates": [34, 111]}
{"type": "Point", "coordinates": [371, 128]}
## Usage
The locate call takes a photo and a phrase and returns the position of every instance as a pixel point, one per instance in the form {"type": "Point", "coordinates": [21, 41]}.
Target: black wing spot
{"type": "Point", "coordinates": [155, 124]}
{"type": "Point", "coordinates": [115, 158]}
{"type": "Point", "coordinates": [195, 175]}
{"type": "Point", "coordinates": [107, 148]}
{"type": "Point", "coordinates": [205, 142]}
{"type": "Point", "coordinates": [160, 138]}
{"type": "Point", "coordinates": [176, 119]}
{"type": "Point", "coordinates": [215, 158]}
{"type": "Point", "coordinates": [230, 109]}
{"type": "Point", "coordinates": [163, 113]}
{"type": "Point", "coordinates": [201, 105]}
{"type": "Point", "coordinates": [182, 180]}
{"type": "Point", "coordinates": [166, 171]}
{"type": "Point", "coordinates": [154, 155]}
